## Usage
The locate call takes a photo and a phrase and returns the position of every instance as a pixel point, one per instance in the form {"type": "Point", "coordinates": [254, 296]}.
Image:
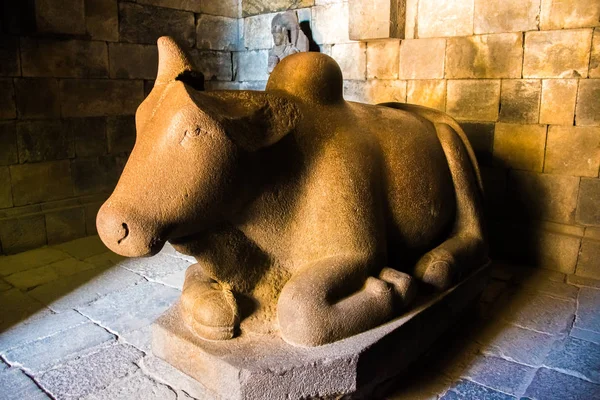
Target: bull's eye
{"type": "Point", "coordinates": [195, 132]}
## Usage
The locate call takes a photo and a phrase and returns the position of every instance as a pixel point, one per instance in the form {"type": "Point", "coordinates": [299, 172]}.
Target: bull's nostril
{"type": "Point", "coordinates": [123, 232]}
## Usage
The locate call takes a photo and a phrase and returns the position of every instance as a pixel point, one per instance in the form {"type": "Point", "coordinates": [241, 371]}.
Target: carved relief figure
{"type": "Point", "coordinates": [288, 38]}
{"type": "Point", "coordinates": [317, 216]}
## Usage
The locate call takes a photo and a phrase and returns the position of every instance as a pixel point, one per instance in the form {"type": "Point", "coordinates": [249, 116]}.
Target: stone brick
{"type": "Point", "coordinates": [159, 266]}
{"type": "Point", "coordinates": [17, 385]}
{"type": "Point", "coordinates": [70, 266]}
{"type": "Point", "coordinates": [39, 182]}
{"type": "Point", "coordinates": [31, 278]}
{"type": "Point", "coordinates": [254, 7]}
{"type": "Point", "coordinates": [580, 281]}
{"type": "Point", "coordinates": [595, 56]}
{"type": "Point", "coordinates": [520, 101]}
{"type": "Point", "coordinates": [557, 54]}
{"type": "Point", "coordinates": [428, 93]}
{"type": "Point", "coordinates": [89, 135]}
{"type": "Point", "coordinates": [133, 61]}
{"type": "Point", "coordinates": [9, 54]}
{"type": "Point", "coordinates": [65, 225]}
{"type": "Point", "coordinates": [520, 146]}
{"type": "Point", "coordinates": [497, 16]}
{"type": "Point", "coordinates": [330, 23]}
{"type": "Point", "coordinates": [422, 58]}
{"type": "Point", "coordinates": [543, 196]}
{"type": "Point", "coordinates": [257, 32]}
{"type": "Point", "coordinates": [83, 248]}
{"type": "Point", "coordinates": [225, 8]}
{"type": "Point", "coordinates": [133, 386]}
{"type": "Point", "coordinates": [7, 99]}
{"type": "Point", "coordinates": [91, 211]}
{"type": "Point", "coordinates": [555, 251]}
{"type": "Point", "coordinates": [376, 19]}
{"type": "Point", "coordinates": [464, 389]}
{"type": "Point", "coordinates": [485, 56]}
{"type": "Point", "coordinates": [481, 137]}
{"type": "Point", "coordinates": [188, 5]}
{"type": "Point", "coordinates": [558, 101]}
{"type": "Point", "coordinates": [37, 98]}
{"type": "Point", "coordinates": [497, 373]}
{"type": "Point", "coordinates": [587, 264]}
{"type": "Point", "coordinates": [30, 259]}
{"type": "Point", "coordinates": [120, 132]}
{"type": "Point", "coordinates": [20, 234]}
{"type": "Point", "coordinates": [588, 212]}
{"type": "Point", "coordinates": [5, 188]}
{"type": "Point", "coordinates": [60, 16]}
{"type": "Point", "coordinates": [93, 98]}
{"type": "Point", "coordinates": [217, 33]}
{"type": "Point", "coordinates": [547, 384]}
{"type": "Point", "coordinates": [352, 58]}
{"type": "Point", "coordinates": [382, 59]}
{"type": "Point", "coordinates": [573, 150]}
{"type": "Point", "coordinates": [161, 371]}
{"type": "Point", "coordinates": [539, 312]}
{"type": "Point", "coordinates": [382, 91]}
{"type": "Point", "coordinates": [145, 24]}
{"type": "Point", "coordinates": [8, 143]}
{"type": "Point", "coordinates": [102, 19]}
{"type": "Point", "coordinates": [587, 111]}
{"type": "Point", "coordinates": [251, 65]}
{"type": "Point", "coordinates": [475, 100]}
{"type": "Point", "coordinates": [64, 58]}
{"type": "Point", "coordinates": [218, 65]}
{"type": "Point", "coordinates": [587, 311]}
{"type": "Point", "coordinates": [576, 357]}
{"type": "Point", "coordinates": [96, 174]}
{"type": "Point", "coordinates": [561, 14]}
{"type": "Point", "coordinates": [434, 17]}
{"type": "Point", "coordinates": [43, 141]}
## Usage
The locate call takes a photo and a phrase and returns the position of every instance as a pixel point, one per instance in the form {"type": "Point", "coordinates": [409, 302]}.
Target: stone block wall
{"type": "Point", "coordinates": [72, 73]}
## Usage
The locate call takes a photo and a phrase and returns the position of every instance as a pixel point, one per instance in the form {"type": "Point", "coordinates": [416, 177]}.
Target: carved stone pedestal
{"type": "Point", "coordinates": [256, 366]}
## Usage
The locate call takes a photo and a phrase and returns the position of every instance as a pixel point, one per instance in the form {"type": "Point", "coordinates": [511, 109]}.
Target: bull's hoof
{"type": "Point", "coordinates": [210, 313]}
{"type": "Point", "coordinates": [436, 269]}
{"type": "Point", "coordinates": [404, 286]}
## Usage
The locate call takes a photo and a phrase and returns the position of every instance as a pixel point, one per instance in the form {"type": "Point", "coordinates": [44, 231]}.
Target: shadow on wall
{"type": "Point", "coordinates": [312, 46]}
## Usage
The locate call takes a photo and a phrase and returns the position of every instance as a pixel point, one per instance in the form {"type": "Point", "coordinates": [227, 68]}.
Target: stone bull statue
{"type": "Point", "coordinates": [329, 214]}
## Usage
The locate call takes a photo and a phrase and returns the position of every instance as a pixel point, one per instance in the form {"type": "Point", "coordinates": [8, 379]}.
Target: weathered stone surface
{"type": "Point", "coordinates": [64, 58]}
{"type": "Point", "coordinates": [581, 281]}
{"type": "Point", "coordinates": [556, 14]}
{"type": "Point", "coordinates": [162, 372]}
{"type": "Point", "coordinates": [556, 289]}
{"type": "Point", "coordinates": [5, 188]}
{"type": "Point", "coordinates": [549, 384]}
{"type": "Point", "coordinates": [30, 259]}
{"type": "Point", "coordinates": [382, 59]}
{"type": "Point", "coordinates": [17, 306]}
{"type": "Point", "coordinates": [120, 132]}
{"type": "Point", "coordinates": [428, 93]}
{"type": "Point", "coordinates": [588, 102]}
{"type": "Point", "coordinates": [475, 100]}
{"type": "Point", "coordinates": [136, 385]}
{"type": "Point", "coordinates": [8, 143]}
{"type": "Point", "coordinates": [381, 91]}
{"type": "Point", "coordinates": [588, 303]}
{"type": "Point", "coordinates": [375, 19]}
{"type": "Point", "coordinates": [433, 18]}
{"type": "Point", "coordinates": [44, 141]}
{"type": "Point", "coordinates": [466, 390]}
{"type": "Point", "coordinates": [60, 16]}
{"type": "Point", "coordinates": [557, 54]}
{"type": "Point", "coordinates": [83, 248]}
{"type": "Point", "coordinates": [595, 56]}
{"type": "Point", "coordinates": [485, 56]}
{"type": "Point", "coordinates": [576, 357]}
{"type": "Point", "coordinates": [89, 135]}
{"type": "Point", "coordinates": [217, 33]}
{"type": "Point", "coordinates": [9, 54]}
{"type": "Point", "coordinates": [225, 8]}
{"type": "Point", "coordinates": [7, 99]}
{"type": "Point", "coordinates": [83, 287]}
{"type": "Point", "coordinates": [102, 19]}
{"type": "Point", "coordinates": [93, 98]}
{"type": "Point", "coordinates": [481, 137]}
{"type": "Point", "coordinates": [188, 5]}
{"type": "Point", "coordinates": [422, 58]}
{"type": "Point", "coordinates": [539, 312]}
{"type": "Point", "coordinates": [97, 174]}
{"type": "Point", "coordinates": [499, 16]}
{"type": "Point", "coordinates": [70, 266]}
{"type": "Point", "coordinates": [33, 277]}
{"type": "Point", "coordinates": [91, 211]}
{"type": "Point", "coordinates": [520, 101]}
{"type": "Point", "coordinates": [218, 65]}
{"type": "Point", "coordinates": [65, 225]}
{"type": "Point", "coordinates": [497, 373]}
{"type": "Point", "coordinates": [15, 384]}
{"type": "Point", "coordinates": [253, 7]}
{"type": "Point", "coordinates": [543, 196]}
{"type": "Point", "coordinates": [251, 65]}
{"type": "Point", "coordinates": [573, 150]}
{"type": "Point", "coordinates": [587, 264]}
{"type": "Point", "coordinates": [37, 98]}
{"type": "Point", "coordinates": [145, 24]}
{"type": "Point", "coordinates": [330, 23]}
{"type": "Point", "coordinates": [257, 32]}
{"type": "Point", "coordinates": [133, 61]}
{"type": "Point", "coordinates": [156, 267]}
{"type": "Point", "coordinates": [583, 334]}
{"type": "Point", "coordinates": [587, 204]}
{"type": "Point", "coordinates": [352, 58]}
{"type": "Point", "coordinates": [520, 146]}
{"type": "Point", "coordinates": [92, 373]}
{"type": "Point", "coordinates": [35, 183]}
{"type": "Point", "coordinates": [49, 351]}
{"type": "Point", "coordinates": [558, 101]}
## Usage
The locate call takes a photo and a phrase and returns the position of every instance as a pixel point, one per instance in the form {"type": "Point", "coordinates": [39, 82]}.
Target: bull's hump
{"type": "Point", "coordinates": [310, 77]}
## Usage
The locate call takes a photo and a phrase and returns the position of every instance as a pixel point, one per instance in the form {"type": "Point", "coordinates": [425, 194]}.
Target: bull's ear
{"type": "Point", "coordinates": [174, 64]}
{"type": "Point", "coordinates": [254, 120]}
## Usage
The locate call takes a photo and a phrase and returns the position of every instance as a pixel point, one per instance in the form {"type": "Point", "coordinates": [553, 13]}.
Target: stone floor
{"type": "Point", "coordinates": [74, 323]}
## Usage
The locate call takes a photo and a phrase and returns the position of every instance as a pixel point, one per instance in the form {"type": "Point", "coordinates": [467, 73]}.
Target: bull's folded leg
{"type": "Point", "coordinates": [334, 298]}
{"type": "Point", "coordinates": [208, 309]}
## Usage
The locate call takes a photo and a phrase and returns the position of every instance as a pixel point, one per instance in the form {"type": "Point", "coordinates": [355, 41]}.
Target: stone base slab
{"type": "Point", "coordinates": [254, 366]}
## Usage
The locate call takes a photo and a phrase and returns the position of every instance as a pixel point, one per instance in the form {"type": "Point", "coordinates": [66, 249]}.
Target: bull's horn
{"type": "Point", "coordinates": [172, 61]}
